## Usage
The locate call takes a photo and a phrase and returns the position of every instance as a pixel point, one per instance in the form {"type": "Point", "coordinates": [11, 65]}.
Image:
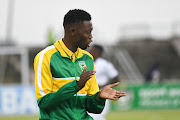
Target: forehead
{"type": "Point", "coordinates": [87, 25]}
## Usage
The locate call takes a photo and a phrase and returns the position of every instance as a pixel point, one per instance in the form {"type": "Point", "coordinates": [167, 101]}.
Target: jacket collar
{"type": "Point", "coordinates": [65, 52]}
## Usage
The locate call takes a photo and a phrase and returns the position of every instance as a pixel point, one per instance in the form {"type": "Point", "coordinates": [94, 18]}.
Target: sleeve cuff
{"type": "Point", "coordinates": [75, 85]}
{"type": "Point", "coordinates": [100, 100]}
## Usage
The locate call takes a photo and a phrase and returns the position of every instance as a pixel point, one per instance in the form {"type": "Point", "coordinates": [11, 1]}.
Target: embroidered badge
{"type": "Point", "coordinates": [82, 64]}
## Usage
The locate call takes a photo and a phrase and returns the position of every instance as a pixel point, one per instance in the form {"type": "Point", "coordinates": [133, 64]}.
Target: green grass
{"type": "Point", "coordinates": [145, 115]}
{"type": "Point", "coordinates": [124, 115]}
{"type": "Point", "coordinates": [20, 118]}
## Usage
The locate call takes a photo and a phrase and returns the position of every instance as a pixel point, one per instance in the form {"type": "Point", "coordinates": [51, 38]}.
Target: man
{"type": "Point", "coordinates": [105, 74]}
{"type": "Point", "coordinates": [65, 82]}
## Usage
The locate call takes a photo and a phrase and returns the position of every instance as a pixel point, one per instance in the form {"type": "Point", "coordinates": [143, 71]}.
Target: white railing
{"type": "Point", "coordinates": [24, 62]}
{"type": "Point", "coordinates": [127, 64]}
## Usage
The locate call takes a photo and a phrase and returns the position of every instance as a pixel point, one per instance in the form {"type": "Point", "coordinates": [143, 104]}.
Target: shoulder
{"type": "Point", "coordinates": [48, 51]}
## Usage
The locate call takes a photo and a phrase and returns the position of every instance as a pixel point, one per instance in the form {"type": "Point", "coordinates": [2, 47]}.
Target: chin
{"type": "Point", "coordinates": [84, 48]}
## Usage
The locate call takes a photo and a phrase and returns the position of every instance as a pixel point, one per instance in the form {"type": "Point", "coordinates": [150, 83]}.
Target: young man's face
{"type": "Point", "coordinates": [83, 35]}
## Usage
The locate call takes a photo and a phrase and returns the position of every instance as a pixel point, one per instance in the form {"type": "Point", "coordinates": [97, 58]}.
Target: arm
{"type": "Point", "coordinates": [43, 84]}
{"type": "Point", "coordinates": [52, 99]}
{"type": "Point", "coordinates": [96, 103]}
{"type": "Point", "coordinates": [93, 104]}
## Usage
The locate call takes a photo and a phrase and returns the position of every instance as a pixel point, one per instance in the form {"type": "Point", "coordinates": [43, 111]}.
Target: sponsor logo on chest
{"type": "Point", "coordinates": [82, 64]}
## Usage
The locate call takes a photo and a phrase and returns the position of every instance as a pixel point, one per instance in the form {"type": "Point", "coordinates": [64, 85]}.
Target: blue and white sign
{"type": "Point", "coordinates": [16, 100]}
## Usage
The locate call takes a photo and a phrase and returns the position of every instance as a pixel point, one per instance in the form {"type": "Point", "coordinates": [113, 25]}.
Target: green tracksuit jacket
{"type": "Point", "coordinates": [59, 98]}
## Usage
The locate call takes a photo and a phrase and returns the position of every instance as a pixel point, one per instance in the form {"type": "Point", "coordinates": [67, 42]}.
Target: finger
{"type": "Point", "coordinates": [114, 85]}
{"type": "Point", "coordinates": [121, 94]}
{"type": "Point", "coordinates": [118, 92]}
{"type": "Point", "coordinates": [117, 97]}
{"type": "Point", "coordinates": [89, 77]}
{"type": "Point", "coordinates": [91, 72]}
{"type": "Point", "coordinates": [85, 68]}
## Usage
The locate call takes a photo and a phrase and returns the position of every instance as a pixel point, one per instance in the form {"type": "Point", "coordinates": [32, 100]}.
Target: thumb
{"type": "Point", "coordinates": [85, 68]}
{"type": "Point", "coordinates": [114, 85]}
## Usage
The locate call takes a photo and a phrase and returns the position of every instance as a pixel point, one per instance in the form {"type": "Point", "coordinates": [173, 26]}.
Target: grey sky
{"type": "Point", "coordinates": [32, 18]}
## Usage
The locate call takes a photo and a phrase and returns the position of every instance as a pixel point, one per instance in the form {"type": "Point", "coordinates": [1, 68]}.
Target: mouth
{"type": "Point", "coordinates": [89, 45]}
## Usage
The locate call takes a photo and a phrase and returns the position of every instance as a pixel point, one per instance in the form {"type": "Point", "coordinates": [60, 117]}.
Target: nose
{"type": "Point", "coordinates": [91, 40]}
{"type": "Point", "coordinates": [90, 36]}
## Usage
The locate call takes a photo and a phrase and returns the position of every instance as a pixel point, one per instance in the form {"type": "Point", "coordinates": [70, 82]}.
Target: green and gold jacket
{"type": "Point", "coordinates": [59, 98]}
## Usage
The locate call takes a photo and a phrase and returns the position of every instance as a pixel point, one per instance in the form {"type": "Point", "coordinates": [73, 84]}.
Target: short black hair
{"type": "Point", "coordinates": [99, 47]}
{"type": "Point", "coordinates": [76, 16]}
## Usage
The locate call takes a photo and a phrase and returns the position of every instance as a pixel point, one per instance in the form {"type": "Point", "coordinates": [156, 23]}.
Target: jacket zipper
{"type": "Point", "coordinates": [76, 93]}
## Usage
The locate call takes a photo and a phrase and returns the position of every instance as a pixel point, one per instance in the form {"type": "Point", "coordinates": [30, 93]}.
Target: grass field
{"type": "Point", "coordinates": [145, 115]}
{"type": "Point", "coordinates": [124, 115]}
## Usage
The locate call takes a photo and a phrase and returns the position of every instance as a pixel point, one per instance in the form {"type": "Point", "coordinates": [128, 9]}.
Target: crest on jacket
{"type": "Point", "coordinates": [82, 64]}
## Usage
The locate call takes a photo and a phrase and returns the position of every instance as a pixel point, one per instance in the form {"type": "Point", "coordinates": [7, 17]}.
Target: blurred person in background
{"type": "Point", "coordinates": [153, 75]}
{"type": "Point", "coordinates": [65, 82]}
{"type": "Point", "coordinates": [105, 74]}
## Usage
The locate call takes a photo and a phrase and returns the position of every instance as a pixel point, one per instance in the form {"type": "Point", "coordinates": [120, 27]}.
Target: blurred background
{"type": "Point", "coordinates": [141, 38]}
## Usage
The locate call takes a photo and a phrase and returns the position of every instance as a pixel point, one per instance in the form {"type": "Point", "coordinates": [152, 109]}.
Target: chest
{"type": "Point", "coordinates": [62, 67]}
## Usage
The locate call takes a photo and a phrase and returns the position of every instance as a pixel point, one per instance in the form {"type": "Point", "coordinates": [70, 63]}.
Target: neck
{"type": "Point", "coordinates": [69, 44]}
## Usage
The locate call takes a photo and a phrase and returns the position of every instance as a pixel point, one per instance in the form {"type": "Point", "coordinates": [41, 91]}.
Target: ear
{"type": "Point", "coordinates": [73, 30]}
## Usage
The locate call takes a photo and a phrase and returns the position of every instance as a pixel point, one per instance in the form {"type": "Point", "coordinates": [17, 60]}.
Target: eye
{"type": "Point", "coordinates": [88, 32]}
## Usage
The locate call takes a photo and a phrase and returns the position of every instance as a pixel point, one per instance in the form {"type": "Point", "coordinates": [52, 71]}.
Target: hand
{"type": "Point", "coordinates": [85, 76]}
{"type": "Point", "coordinates": [108, 93]}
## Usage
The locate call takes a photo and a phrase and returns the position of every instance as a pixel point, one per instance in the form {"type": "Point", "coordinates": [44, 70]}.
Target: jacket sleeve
{"type": "Point", "coordinates": [43, 84]}
{"type": "Point", "coordinates": [52, 99]}
{"type": "Point", "coordinates": [93, 104]}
